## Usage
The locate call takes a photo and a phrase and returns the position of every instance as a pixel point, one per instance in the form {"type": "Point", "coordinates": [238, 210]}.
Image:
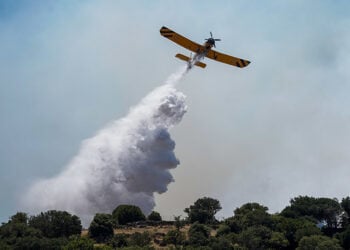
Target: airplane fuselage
{"type": "Point", "coordinates": [201, 52]}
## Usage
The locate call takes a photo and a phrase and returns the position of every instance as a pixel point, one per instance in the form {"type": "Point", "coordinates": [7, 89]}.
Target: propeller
{"type": "Point", "coordinates": [212, 39]}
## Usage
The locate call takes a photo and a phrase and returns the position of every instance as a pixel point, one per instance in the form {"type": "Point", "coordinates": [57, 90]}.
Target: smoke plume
{"type": "Point", "coordinates": [124, 163]}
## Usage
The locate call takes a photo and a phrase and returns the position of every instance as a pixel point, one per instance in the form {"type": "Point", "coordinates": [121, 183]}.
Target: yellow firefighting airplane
{"type": "Point", "coordinates": [201, 51]}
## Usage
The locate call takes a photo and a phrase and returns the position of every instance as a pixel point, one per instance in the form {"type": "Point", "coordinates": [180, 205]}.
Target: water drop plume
{"type": "Point", "coordinates": [124, 163]}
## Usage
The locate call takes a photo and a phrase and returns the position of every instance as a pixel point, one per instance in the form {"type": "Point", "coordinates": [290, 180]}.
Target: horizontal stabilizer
{"type": "Point", "coordinates": [187, 59]}
{"type": "Point", "coordinates": [182, 57]}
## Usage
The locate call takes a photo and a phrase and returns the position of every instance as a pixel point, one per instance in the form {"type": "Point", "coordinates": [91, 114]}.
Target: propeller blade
{"type": "Point", "coordinates": [211, 34]}
{"type": "Point", "coordinates": [217, 39]}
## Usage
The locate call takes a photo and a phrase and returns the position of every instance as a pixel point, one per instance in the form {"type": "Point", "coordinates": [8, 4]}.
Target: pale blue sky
{"type": "Point", "coordinates": [276, 129]}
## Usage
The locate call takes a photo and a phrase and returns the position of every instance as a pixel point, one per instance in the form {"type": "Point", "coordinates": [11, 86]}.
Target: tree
{"type": "Point", "coordinates": [33, 243]}
{"type": "Point", "coordinates": [124, 214]}
{"type": "Point", "coordinates": [203, 210]}
{"type": "Point", "coordinates": [220, 243]}
{"type": "Point", "coordinates": [330, 211]}
{"type": "Point", "coordinates": [223, 230]}
{"type": "Point", "coordinates": [19, 217]}
{"type": "Point", "coordinates": [322, 209]}
{"type": "Point", "coordinates": [118, 241]}
{"type": "Point", "coordinates": [278, 241]}
{"type": "Point", "coordinates": [344, 238]}
{"type": "Point", "coordinates": [77, 242]}
{"type": "Point", "coordinates": [306, 230]}
{"type": "Point", "coordinates": [318, 242]}
{"type": "Point", "coordinates": [101, 227]}
{"type": "Point", "coordinates": [255, 237]}
{"type": "Point", "coordinates": [198, 235]}
{"type": "Point", "coordinates": [345, 204]}
{"type": "Point", "coordinates": [248, 215]}
{"type": "Point", "coordinates": [294, 228]}
{"type": "Point", "coordinates": [4, 246]}
{"type": "Point", "coordinates": [140, 239]}
{"type": "Point", "coordinates": [174, 237]}
{"type": "Point", "coordinates": [55, 224]}
{"type": "Point", "coordinates": [11, 233]}
{"type": "Point", "coordinates": [154, 216]}
{"type": "Point", "coordinates": [18, 235]}
{"type": "Point", "coordinates": [178, 222]}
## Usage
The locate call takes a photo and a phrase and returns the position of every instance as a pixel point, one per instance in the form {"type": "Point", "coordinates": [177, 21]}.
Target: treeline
{"type": "Point", "coordinates": [306, 223]}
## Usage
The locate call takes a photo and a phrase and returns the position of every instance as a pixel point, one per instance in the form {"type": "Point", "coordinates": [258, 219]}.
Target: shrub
{"type": "Point", "coordinates": [124, 214]}
{"type": "Point", "coordinates": [118, 241]}
{"type": "Point", "coordinates": [198, 235]}
{"type": "Point", "coordinates": [77, 242]}
{"type": "Point", "coordinates": [222, 230]}
{"type": "Point", "coordinates": [174, 237]}
{"type": "Point", "coordinates": [101, 227]}
{"type": "Point", "coordinates": [318, 242]}
{"type": "Point", "coordinates": [203, 210]}
{"type": "Point", "coordinates": [55, 224]}
{"type": "Point", "coordinates": [140, 239]}
{"type": "Point", "coordinates": [154, 216]}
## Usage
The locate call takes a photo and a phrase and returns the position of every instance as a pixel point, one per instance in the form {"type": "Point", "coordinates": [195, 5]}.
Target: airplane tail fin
{"type": "Point", "coordinates": [187, 59]}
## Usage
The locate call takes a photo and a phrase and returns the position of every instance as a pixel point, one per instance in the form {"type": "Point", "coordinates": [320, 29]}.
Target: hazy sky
{"type": "Point", "coordinates": [274, 130]}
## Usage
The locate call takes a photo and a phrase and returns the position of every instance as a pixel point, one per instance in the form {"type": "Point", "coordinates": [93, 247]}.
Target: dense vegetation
{"type": "Point", "coordinates": [306, 223]}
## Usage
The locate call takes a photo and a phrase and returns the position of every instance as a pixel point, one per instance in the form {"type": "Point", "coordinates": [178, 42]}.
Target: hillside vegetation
{"type": "Point", "coordinates": [306, 223]}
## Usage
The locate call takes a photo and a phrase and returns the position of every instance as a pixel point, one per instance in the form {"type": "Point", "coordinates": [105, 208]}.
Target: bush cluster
{"type": "Point", "coordinates": [306, 223]}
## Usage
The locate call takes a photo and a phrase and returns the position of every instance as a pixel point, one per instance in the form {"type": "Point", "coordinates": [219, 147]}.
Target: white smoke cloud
{"type": "Point", "coordinates": [124, 163]}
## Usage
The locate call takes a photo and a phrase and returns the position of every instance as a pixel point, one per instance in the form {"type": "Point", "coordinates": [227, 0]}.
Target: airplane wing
{"type": "Point", "coordinates": [220, 57]}
{"type": "Point", "coordinates": [180, 40]}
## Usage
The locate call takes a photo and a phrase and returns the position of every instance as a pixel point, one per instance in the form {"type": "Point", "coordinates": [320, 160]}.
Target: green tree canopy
{"type": "Point", "coordinates": [322, 209]}
{"type": "Point", "coordinates": [118, 241]}
{"type": "Point", "coordinates": [17, 234]}
{"type": "Point", "coordinates": [250, 214]}
{"type": "Point", "coordinates": [78, 242]}
{"type": "Point", "coordinates": [344, 238]}
{"type": "Point", "coordinates": [203, 210]}
{"type": "Point", "coordinates": [278, 241]}
{"type": "Point", "coordinates": [175, 237]}
{"type": "Point", "coordinates": [101, 227]}
{"type": "Point", "coordinates": [178, 222]}
{"type": "Point", "coordinates": [223, 230]}
{"type": "Point", "coordinates": [294, 228]}
{"type": "Point", "coordinates": [12, 232]}
{"type": "Point", "coordinates": [154, 216]}
{"type": "Point", "coordinates": [124, 214]}
{"type": "Point", "coordinates": [19, 217]}
{"type": "Point", "coordinates": [318, 242]}
{"type": "Point", "coordinates": [33, 243]}
{"type": "Point", "coordinates": [55, 224]}
{"type": "Point", "coordinates": [198, 234]}
{"type": "Point", "coordinates": [4, 245]}
{"type": "Point", "coordinates": [220, 243]}
{"type": "Point", "coordinates": [255, 237]}
{"type": "Point", "coordinates": [345, 204]}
